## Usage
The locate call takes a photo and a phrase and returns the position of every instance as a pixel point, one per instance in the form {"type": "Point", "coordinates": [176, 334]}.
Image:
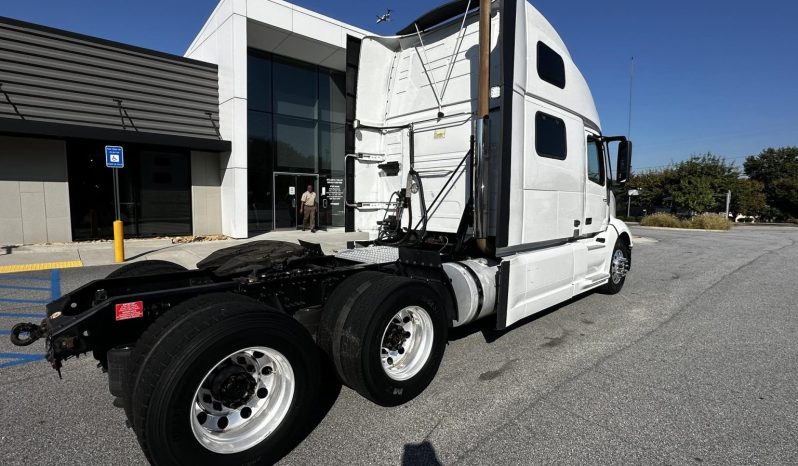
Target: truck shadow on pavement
{"type": "Point", "coordinates": [490, 333]}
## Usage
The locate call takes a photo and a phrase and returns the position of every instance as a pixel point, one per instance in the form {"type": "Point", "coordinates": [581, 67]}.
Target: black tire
{"type": "Point", "coordinates": [137, 269]}
{"type": "Point", "coordinates": [147, 267]}
{"type": "Point", "coordinates": [357, 338]}
{"type": "Point", "coordinates": [614, 284]}
{"type": "Point", "coordinates": [176, 352]}
{"type": "Point", "coordinates": [349, 289]}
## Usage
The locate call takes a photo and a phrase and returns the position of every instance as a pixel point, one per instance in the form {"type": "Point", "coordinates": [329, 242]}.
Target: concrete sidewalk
{"type": "Point", "coordinates": [64, 255]}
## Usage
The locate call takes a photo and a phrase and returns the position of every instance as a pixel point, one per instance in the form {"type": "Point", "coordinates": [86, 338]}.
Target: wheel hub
{"type": "Point", "coordinates": [233, 386]}
{"type": "Point", "coordinates": [620, 266]}
{"type": "Point", "coordinates": [242, 399]}
{"type": "Point", "coordinates": [396, 335]}
{"type": "Point", "coordinates": [407, 343]}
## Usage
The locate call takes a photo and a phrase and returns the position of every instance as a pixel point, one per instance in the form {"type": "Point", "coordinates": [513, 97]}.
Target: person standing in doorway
{"type": "Point", "coordinates": [308, 209]}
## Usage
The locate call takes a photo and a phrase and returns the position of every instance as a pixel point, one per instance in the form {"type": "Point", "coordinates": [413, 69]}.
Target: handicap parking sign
{"type": "Point", "coordinates": [114, 157]}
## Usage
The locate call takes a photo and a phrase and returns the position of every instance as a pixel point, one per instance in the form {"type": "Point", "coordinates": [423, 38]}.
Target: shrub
{"type": "Point", "coordinates": [662, 219]}
{"type": "Point", "coordinates": [792, 220]}
{"type": "Point", "coordinates": [710, 222]}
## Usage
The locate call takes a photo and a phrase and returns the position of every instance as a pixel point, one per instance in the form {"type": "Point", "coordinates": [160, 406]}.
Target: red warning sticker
{"type": "Point", "coordinates": [132, 310]}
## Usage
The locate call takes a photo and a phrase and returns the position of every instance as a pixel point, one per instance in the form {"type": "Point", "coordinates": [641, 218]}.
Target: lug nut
{"type": "Point", "coordinates": [389, 361]}
{"type": "Point", "coordinates": [401, 350]}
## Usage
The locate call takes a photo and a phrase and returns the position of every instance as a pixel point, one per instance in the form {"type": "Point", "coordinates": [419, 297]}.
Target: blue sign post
{"type": "Point", "coordinates": [114, 157]}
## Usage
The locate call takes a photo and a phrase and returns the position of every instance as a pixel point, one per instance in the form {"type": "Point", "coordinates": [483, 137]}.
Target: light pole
{"type": "Point", "coordinates": [728, 202]}
{"type": "Point", "coordinates": [630, 193]}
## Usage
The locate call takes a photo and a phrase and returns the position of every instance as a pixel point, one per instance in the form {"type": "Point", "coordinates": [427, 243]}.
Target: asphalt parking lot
{"type": "Point", "coordinates": [695, 361]}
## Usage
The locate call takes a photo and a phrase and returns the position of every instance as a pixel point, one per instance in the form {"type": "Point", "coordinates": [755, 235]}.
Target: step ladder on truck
{"type": "Point", "coordinates": [481, 173]}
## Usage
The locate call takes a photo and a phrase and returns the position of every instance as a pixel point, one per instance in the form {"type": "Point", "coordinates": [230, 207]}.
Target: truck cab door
{"type": "Point", "coordinates": [596, 196]}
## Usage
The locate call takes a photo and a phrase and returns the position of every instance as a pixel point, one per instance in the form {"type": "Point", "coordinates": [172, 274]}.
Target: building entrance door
{"type": "Point", "coordinates": [288, 189]}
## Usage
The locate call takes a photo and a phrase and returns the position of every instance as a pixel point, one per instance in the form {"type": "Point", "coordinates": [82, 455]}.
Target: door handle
{"type": "Point", "coordinates": [324, 203]}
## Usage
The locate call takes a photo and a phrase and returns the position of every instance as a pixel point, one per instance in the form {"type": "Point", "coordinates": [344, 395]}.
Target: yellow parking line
{"type": "Point", "coordinates": [39, 266]}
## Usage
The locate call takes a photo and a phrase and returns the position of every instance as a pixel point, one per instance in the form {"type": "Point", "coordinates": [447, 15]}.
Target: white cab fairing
{"type": "Point", "coordinates": [393, 90]}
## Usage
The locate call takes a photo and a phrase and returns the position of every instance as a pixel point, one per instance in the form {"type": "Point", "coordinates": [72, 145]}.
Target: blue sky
{"type": "Point", "coordinates": [709, 75]}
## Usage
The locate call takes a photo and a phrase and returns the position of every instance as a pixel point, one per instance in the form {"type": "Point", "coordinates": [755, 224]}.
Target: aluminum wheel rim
{"type": "Point", "coordinates": [406, 343]}
{"type": "Point", "coordinates": [619, 263]}
{"type": "Point", "coordinates": [228, 429]}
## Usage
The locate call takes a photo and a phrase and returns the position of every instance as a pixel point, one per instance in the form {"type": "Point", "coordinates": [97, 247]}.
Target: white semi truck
{"type": "Point", "coordinates": [479, 169]}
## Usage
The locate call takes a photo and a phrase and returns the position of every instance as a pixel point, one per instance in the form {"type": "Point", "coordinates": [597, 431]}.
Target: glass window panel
{"type": "Point", "coordinates": [259, 172]}
{"type": "Point", "coordinates": [259, 82]}
{"type": "Point", "coordinates": [550, 66]}
{"type": "Point", "coordinates": [550, 136]}
{"type": "Point", "coordinates": [595, 162]}
{"type": "Point", "coordinates": [332, 98]}
{"type": "Point", "coordinates": [331, 148]}
{"type": "Point", "coordinates": [164, 194]}
{"type": "Point", "coordinates": [295, 144]}
{"type": "Point", "coordinates": [295, 89]}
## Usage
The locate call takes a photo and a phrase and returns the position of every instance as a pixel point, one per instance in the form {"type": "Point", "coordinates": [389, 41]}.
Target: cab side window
{"type": "Point", "coordinates": [595, 161]}
{"type": "Point", "coordinates": [550, 139]}
{"type": "Point", "coordinates": [551, 67]}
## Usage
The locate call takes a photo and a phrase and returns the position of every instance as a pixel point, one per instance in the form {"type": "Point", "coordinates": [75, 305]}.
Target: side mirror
{"type": "Point", "coordinates": [624, 163]}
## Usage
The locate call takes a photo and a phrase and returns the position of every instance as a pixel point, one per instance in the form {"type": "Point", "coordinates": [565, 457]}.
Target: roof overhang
{"type": "Point", "coordinates": [112, 136]}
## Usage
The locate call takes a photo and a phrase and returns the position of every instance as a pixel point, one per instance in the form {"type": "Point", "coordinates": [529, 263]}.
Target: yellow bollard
{"type": "Point", "coordinates": [119, 242]}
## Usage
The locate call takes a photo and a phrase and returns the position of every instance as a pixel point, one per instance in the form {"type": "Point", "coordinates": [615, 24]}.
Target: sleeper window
{"type": "Point", "coordinates": [550, 136]}
{"type": "Point", "coordinates": [551, 67]}
{"type": "Point", "coordinates": [595, 162]}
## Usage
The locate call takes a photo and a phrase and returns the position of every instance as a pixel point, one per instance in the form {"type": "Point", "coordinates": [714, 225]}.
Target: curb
{"type": "Point", "coordinates": [40, 266]}
{"type": "Point", "coordinates": [682, 229]}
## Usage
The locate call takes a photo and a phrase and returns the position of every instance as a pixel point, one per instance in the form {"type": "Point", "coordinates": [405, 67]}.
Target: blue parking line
{"type": "Point", "coordinates": [19, 358]}
{"type": "Point", "coordinates": [15, 287]}
{"type": "Point", "coordinates": [55, 284]}
{"type": "Point", "coordinates": [21, 315]}
{"type": "Point", "coordinates": [23, 277]}
{"type": "Point", "coordinates": [22, 301]}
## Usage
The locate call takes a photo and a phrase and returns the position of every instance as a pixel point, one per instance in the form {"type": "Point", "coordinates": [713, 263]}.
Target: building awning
{"type": "Point", "coordinates": [18, 127]}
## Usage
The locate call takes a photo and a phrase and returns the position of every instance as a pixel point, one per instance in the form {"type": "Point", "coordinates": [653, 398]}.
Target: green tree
{"type": "Point", "coordinates": [694, 193]}
{"type": "Point", "coordinates": [701, 180]}
{"type": "Point", "coordinates": [777, 169]}
{"type": "Point", "coordinates": [748, 198]}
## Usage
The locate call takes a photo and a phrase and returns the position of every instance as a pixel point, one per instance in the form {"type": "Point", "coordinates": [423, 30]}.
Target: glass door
{"type": "Point", "coordinates": [288, 189]}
